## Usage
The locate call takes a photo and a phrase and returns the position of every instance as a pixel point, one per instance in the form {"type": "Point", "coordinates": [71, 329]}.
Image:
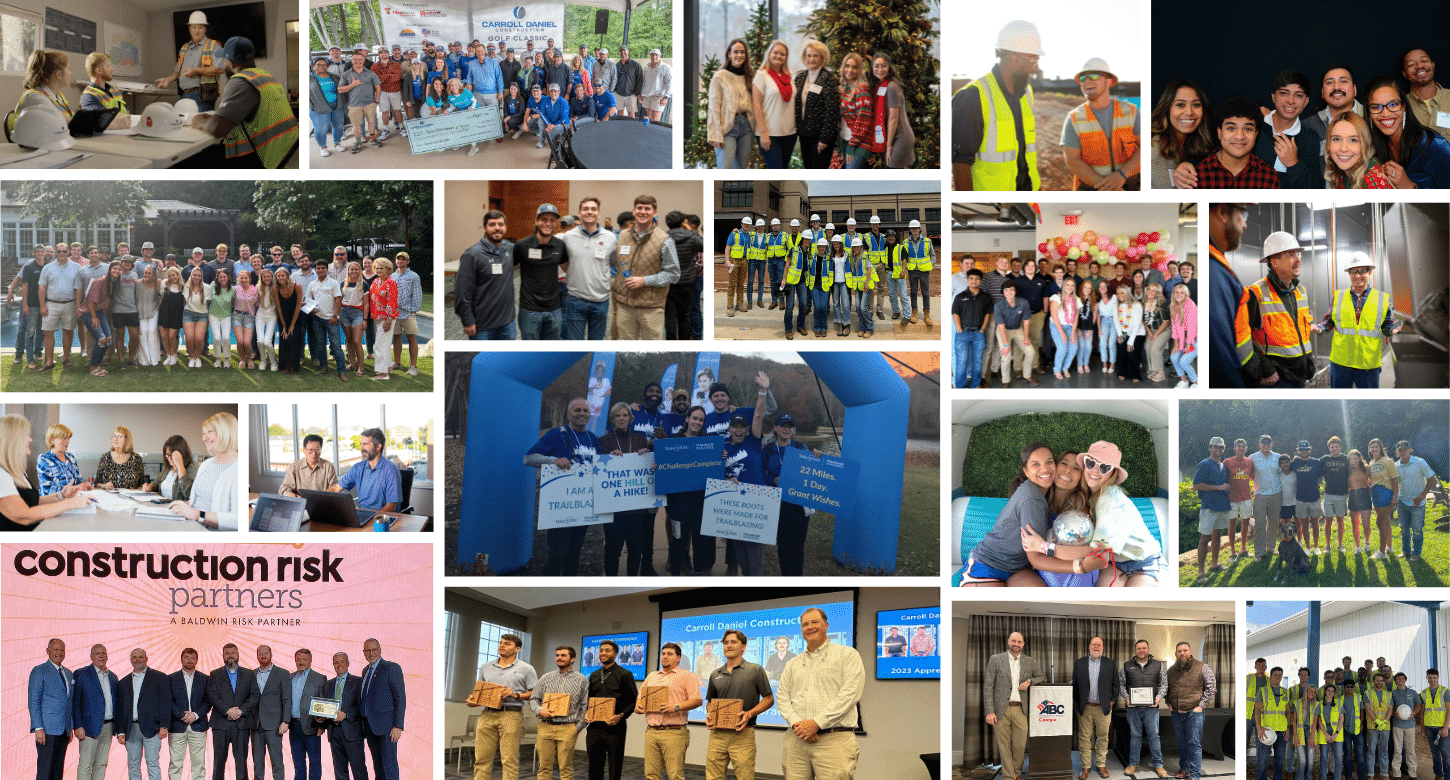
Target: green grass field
{"type": "Point", "coordinates": [77, 379]}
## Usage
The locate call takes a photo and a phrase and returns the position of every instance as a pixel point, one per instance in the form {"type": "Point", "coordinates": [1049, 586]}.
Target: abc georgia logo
{"type": "Point", "coordinates": [1046, 707]}
{"type": "Point", "coordinates": [520, 12]}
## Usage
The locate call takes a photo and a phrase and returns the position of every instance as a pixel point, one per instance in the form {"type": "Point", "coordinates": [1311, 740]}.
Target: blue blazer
{"type": "Point", "coordinates": [180, 705]}
{"type": "Point", "coordinates": [153, 709]}
{"type": "Point", "coordinates": [51, 703]}
{"type": "Point", "coordinates": [385, 699]}
{"type": "Point", "coordinates": [90, 700]}
{"type": "Point", "coordinates": [350, 705]}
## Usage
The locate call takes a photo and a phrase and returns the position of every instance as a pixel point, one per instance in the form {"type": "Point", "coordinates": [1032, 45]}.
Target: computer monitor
{"type": "Point", "coordinates": [335, 508]}
{"type": "Point", "coordinates": [278, 513]}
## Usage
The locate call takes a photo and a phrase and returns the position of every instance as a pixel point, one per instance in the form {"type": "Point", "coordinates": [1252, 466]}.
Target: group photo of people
{"type": "Point", "coordinates": [550, 78]}
{"type": "Point", "coordinates": [1363, 309]}
{"type": "Point", "coordinates": [574, 260]}
{"type": "Point", "coordinates": [1308, 116]}
{"type": "Point", "coordinates": [1050, 100]}
{"type": "Point", "coordinates": [139, 307]}
{"type": "Point", "coordinates": [814, 85]}
{"type": "Point", "coordinates": [1089, 307]}
{"type": "Point", "coordinates": [832, 257]}
{"type": "Point", "coordinates": [1331, 492]}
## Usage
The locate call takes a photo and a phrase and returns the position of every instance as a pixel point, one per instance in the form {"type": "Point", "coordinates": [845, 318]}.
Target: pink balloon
{"type": "Point", "coordinates": [1133, 251]}
{"type": "Point", "coordinates": [1075, 239]}
{"type": "Point", "coordinates": [1172, 258]}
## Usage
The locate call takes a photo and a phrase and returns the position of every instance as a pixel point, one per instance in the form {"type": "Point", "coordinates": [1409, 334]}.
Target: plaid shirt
{"type": "Point", "coordinates": [410, 293]}
{"type": "Point", "coordinates": [1257, 175]}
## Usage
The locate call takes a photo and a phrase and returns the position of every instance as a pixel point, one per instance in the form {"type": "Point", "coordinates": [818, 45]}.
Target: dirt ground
{"type": "Point", "coordinates": [1050, 109]}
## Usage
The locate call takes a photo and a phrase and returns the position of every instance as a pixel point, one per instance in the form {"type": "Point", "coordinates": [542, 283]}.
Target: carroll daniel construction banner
{"type": "Point", "coordinates": [327, 598]}
{"type": "Point", "coordinates": [409, 24]}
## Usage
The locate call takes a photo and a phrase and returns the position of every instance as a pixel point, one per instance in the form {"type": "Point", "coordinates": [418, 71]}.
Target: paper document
{"type": "Point", "coordinates": [110, 501]}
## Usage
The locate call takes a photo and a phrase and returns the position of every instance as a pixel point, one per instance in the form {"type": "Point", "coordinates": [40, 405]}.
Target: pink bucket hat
{"type": "Point", "coordinates": [1105, 452]}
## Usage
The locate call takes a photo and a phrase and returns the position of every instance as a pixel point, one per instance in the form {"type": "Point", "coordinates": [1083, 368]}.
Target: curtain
{"type": "Point", "coordinates": [1219, 654]}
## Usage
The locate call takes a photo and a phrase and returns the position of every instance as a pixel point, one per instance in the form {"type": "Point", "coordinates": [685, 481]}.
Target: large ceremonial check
{"type": "Point", "coordinates": [450, 131]}
{"type": "Point", "coordinates": [750, 513]}
{"type": "Point", "coordinates": [685, 463]}
{"type": "Point", "coordinates": [826, 483]}
{"type": "Point", "coordinates": [509, 22]}
{"type": "Point", "coordinates": [566, 498]}
{"type": "Point", "coordinates": [164, 597]}
{"type": "Point", "coordinates": [625, 482]}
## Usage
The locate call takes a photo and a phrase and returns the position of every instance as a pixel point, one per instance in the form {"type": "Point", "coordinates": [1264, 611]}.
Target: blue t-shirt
{"type": "Point", "coordinates": [1309, 471]}
{"type": "Point", "coordinates": [674, 424]}
{"type": "Point", "coordinates": [376, 485]}
{"type": "Point", "coordinates": [329, 88]}
{"type": "Point", "coordinates": [773, 458]}
{"type": "Point", "coordinates": [1413, 476]}
{"type": "Point", "coordinates": [1212, 472]}
{"type": "Point", "coordinates": [743, 461]}
{"type": "Point", "coordinates": [462, 101]}
{"type": "Point", "coordinates": [602, 104]}
{"type": "Point", "coordinates": [718, 423]}
{"type": "Point", "coordinates": [645, 422]}
{"type": "Point", "coordinates": [565, 442]}
{"type": "Point", "coordinates": [419, 84]}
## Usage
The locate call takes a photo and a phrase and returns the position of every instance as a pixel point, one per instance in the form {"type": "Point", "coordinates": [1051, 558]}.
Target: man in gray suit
{"type": "Point", "coordinates": [302, 731]}
{"type": "Point", "coordinates": [1009, 676]}
{"type": "Point", "coordinates": [273, 709]}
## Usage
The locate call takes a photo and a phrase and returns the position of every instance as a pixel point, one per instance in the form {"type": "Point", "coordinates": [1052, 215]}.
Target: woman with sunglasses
{"type": "Point", "coordinates": [1117, 523]}
{"type": "Point", "coordinates": [1412, 154]}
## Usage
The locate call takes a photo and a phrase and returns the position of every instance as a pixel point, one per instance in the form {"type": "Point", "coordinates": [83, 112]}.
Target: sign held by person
{"type": "Point", "coordinates": [736, 510]}
{"type": "Point", "coordinates": [566, 498]}
{"type": "Point", "coordinates": [685, 463]}
{"type": "Point", "coordinates": [625, 482]}
{"type": "Point", "coordinates": [826, 483]}
{"type": "Point", "coordinates": [450, 131]}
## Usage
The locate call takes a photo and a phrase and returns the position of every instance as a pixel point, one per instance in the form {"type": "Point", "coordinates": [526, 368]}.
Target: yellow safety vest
{"type": "Point", "coordinates": [876, 248]}
{"type": "Point", "coordinates": [1251, 687]}
{"type": "Point", "coordinates": [996, 165]}
{"type": "Point", "coordinates": [918, 254]}
{"type": "Point", "coordinates": [208, 49]}
{"type": "Point", "coordinates": [1276, 704]}
{"type": "Point", "coordinates": [1434, 706]}
{"type": "Point", "coordinates": [855, 273]}
{"type": "Point", "coordinates": [736, 243]}
{"type": "Point", "coordinates": [273, 128]}
{"type": "Point", "coordinates": [114, 100]}
{"type": "Point", "coordinates": [828, 273]}
{"type": "Point", "coordinates": [1352, 712]}
{"type": "Point", "coordinates": [756, 250]}
{"type": "Point", "coordinates": [1379, 715]}
{"type": "Point", "coordinates": [1328, 726]}
{"type": "Point", "coordinates": [774, 246]}
{"type": "Point", "coordinates": [1357, 339]}
{"type": "Point", "coordinates": [63, 104]}
{"type": "Point", "coordinates": [792, 244]}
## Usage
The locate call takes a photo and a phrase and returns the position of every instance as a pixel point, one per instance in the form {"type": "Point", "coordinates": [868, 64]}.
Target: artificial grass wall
{"type": "Point", "coordinates": [994, 454]}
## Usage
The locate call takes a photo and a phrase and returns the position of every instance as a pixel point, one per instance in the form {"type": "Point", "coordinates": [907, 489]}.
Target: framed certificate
{"type": "Point", "coordinates": [324, 708]}
{"type": "Point", "coordinates": [1140, 697]}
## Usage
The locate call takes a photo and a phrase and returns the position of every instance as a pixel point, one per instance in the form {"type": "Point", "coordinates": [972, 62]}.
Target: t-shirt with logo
{"type": "Point", "coordinates": [1240, 478]}
{"type": "Point", "coordinates": [718, 423]}
{"type": "Point", "coordinates": [565, 442]}
{"type": "Point", "coordinates": [743, 461]}
{"type": "Point", "coordinates": [646, 421]}
{"type": "Point", "coordinates": [1336, 475]}
{"type": "Point", "coordinates": [1309, 471]}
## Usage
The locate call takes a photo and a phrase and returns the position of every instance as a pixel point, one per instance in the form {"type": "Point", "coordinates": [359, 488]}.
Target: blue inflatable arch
{"type": "Point", "coordinates": [498, 491]}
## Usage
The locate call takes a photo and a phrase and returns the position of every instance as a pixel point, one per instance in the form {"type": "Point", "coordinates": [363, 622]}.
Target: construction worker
{"type": "Point", "coordinates": [737, 248]}
{"type": "Point", "coordinates": [1253, 681]}
{"type": "Point", "coordinates": [791, 287]}
{"type": "Point", "coordinates": [775, 251]}
{"type": "Point", "coordinates": [994, 136]}
{"type": "Point", "coordinates": [1437, 734]}
{"type": "Point", "coordinates": [919, 256]}
{"type": "Point", "coordinates": [820, 274]}
{"type": "Point", "coordinates": [1272, 328]}
{"type": "Point", "coordinates": [895, 272]}
{"type": "Point", "coordinates": [1100, 138]}
{"type": "Point", "coordinates": [1267, 714]}
{"type": "Point", "coordinates": [197, 67]}
{"type": "Point", "coordinates": [1226, 223]}
{"type": "Point", "coordinates": [876, 251]}
{"type": "Point", "coordinates": [252, 117]}
{"type": "Point", "coordinates": [859, 273]}
{"type": "Point", "coordinates": [755, 255]}
{"type": "Point", "coordinates": [1361, 318]}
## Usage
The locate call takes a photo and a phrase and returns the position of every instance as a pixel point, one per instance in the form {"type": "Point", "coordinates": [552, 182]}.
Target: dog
{"type": "Point", "coordinates": [1291, 560]}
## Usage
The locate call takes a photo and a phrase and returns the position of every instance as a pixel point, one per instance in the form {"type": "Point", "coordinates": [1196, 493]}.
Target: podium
{"type": "Point", "coordinates": [1050, 721]}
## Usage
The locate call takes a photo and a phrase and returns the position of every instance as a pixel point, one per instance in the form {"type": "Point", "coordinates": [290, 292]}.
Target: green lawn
{"type": "Point", "coordinates": [16, 379]}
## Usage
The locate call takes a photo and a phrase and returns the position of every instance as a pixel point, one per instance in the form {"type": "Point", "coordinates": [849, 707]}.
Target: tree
{"type": "Point", "coordinates": [902, 31]}
{"type": "Point", "coordinates": [66, 203]}
{"type": "Point", "coordinates": [276, 430]}
{"type": "Point", "coordinates": [298, 204]}
{"type": "Point", "coordinates": [698, 151]}
{"type": "Point", "coordinates": [650, 27]}
{"type": "Point", "coordinates": [406, 202]}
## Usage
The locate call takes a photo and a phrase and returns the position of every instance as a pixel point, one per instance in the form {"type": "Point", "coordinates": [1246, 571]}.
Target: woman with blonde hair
{"type": "Point", "coordinates": [1155, 326]}
{"type": "Point", "coordinates": [57, 467]}
{"type": "Point", "coordinates": [627, 529]}
{"type": "Point", "coordinates": [22, 506]}
{"type": "Point", "coordinates": [771, 92]}
{"type": "Point", "coordinates": [580, 75]}
{"type": "Point", "coordinates": [148, 317]}
{"type": "Point", "coordinates": [194, 317]}
{"type": "Point", "coordinates": [266, 320]}
{"type": "Point", "coordinates": [1128, 326]}
{"type": "Point", "coordinates": [857, 111]}
{"type": "Point", "coordinates": [1384, 480]}
{"type": "Point", "coordinates": [219, 315]}
{"type": "Point", "coordinates": [47, 73]}
{"type": "Point", "coordinates": [731, 119]}
{"type": "Point", "coordinates": [1185, 337]}
{"type": "Point", "coordinates": [98, 95]}
{"type": "Point", "coordinates": [171, 317]}
{"type": "Point", "coordinates": [213, 501]}
{"type": "Point", "coordinates": [1349, 156]}
{"type": "Point", "coordinates": [120, 467]}
{"type": "Point", "coordinates": [817, 96]}
{"type": "Point", "coordinates": [383, 309]}
{"type": "Point", "coordinates": [353, 317]}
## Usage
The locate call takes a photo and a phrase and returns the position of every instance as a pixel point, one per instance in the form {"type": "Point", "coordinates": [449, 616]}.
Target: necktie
{"type": "Point", "coordinates": [63, 686]}
{"type": "Point", "coordinates": [367, 680]}
{"type": "Point", "coordinates": [338, 694]}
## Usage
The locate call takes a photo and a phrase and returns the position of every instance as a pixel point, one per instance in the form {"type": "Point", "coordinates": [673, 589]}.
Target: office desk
{"type": "Point", "coordinates": [404, 524]}
{"type": "Point", "coordinates": [104, 520]}
{"type": "Point", "coordinates": [157, 153]}
{"type": "Point", "coordinates": [10, 152]}
{"type": "Point", "coordinates": [136, 90]}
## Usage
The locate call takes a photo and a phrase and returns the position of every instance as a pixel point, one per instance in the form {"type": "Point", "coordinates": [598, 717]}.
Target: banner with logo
{"type": "Point", "coordinates": [1051, 712]}
{"type": "Point", "coordinates": [685, 463]}
{"type": "Point", "coordinates": [826, 483]}
{"type": "Point", "coordinates": [732, 510]}
{"type": "Point", "coordinates": [566, 498]}
{"type": "Point", "coordinates": [410, 24]}
{"type": "Point", "coordinates": [513, 25]}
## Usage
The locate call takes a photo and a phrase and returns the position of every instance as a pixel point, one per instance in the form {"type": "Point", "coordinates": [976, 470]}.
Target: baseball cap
{"type": "Point", "coordinates": [784, 419]}
{"type": "Point", "coordinates": [739, 420]}
{"type": "Point", "coordinates": [547, 208]}
{"type": "Point", "coordinates": [1216, 441]}
{"type": "Point", "coordinates": [237, 49]}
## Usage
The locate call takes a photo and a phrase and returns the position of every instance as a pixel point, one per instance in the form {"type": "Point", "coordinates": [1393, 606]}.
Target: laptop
{"type": "Point", "coordinates": [90, 121]}
{"type": "Point", "coordinates": [278, 513]}
{"type": "Point", "coordinates": [324, 506]}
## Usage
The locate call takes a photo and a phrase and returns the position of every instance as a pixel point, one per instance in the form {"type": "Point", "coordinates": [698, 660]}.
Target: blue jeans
{"type": "Point", "coordinates": [697, 317]}
{"type": "Point", "coordinates": [195, 94]}
{"type": "Point", "coordinates": [1143, 724]}
{"type": "Point", "coordinates": [777, 275]}
{"type": "Point", "coordinates": [920, 280]}
{"type": "Point", "coordinates": [1271, 753]}
{"type": "Point", "coordinates": [795, 298]}
{"type": "Point", "coordinates": [755, 280]}
{"type": "Point", "coordinates": [1412, 528]}
{"type": "Point", "coordinates": [1329, 760]}
{"type": "Point", "coordinates": [331, 119]}
{"type": "Point", "coordinates": [327, 337]}
{"type": "Point", "coordinates": [737, 145]}
{"type": "Point", "coordinates": [27, 339]}
{"type": "Point", "coordinates": [1107, 342]}
{"type": "Point", "coordinates": [1066, 349]}
{"type": "Point", "coordinates": [781, 147]}
{"type": "Point", "coordinates": [1344, 376]}
{"type": "Point", "coordinates": [896, 293]}
{"type": "Point", "coordinates": [585, 318]}
{"type": "Point", "coordinates": [967, 359]}
{"type": "Point", "coordinates": [102, 330]}
{"type": "Point", "coordinates": [856, 157]}
{"type": "Point", "coordinates": [1438, 749]}
{"type": "Point", "coordinates": [1188, 728]}
{"type": "Point", "coordinates": [820, 308]}
{"type": "Point", "coordinates": [1353, 757]}
{"type": "Point", "coordinates": [1307, 756]}
{"type": "Point", "coordinates": [863, 308]}
{"type": "Point", "coordinates": [1183, 364]}
{"type": "Point", "coordinates": [1084, 349]}
{"type": "Point", "coordinates": [545, 325]}
{"type": "Point", "coordinates": [1377, 750]}
{"type": "Point", "coordinates": [842, 297]}
{"type": "Point", "coordinates": [506, 332]}
{"type": "Point", "coordinates": [306, 752]}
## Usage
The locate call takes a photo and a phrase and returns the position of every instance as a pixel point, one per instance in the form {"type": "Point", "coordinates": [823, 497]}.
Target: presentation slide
{"type": "Point", "coordinates": [633, 649]}
{"type": "Point", "coordinates": [773, 628]}
{"type": "Point", "coordinates": [906, 644]}
{"type": "Point", "coordinates": [163, 597]}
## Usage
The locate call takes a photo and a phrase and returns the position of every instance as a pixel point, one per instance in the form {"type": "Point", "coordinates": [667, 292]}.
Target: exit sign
{"type": "Point", "coordinates": [1069, 219]}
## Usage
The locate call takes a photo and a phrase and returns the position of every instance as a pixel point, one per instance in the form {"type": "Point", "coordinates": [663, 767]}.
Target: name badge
{"type": "Point", "coordinates": [1442, 118]}
{"type": "Point", "coordinates": [496, 268]}
{"type": "Point", "coordinates": [815, 89]}
{"type": "Point", "coordinates": [599, 252]}
{"type": "Point", "coordinates": [536, 254]}
{"type": "Point", "coordinates": [624, 250]}
{"type": "Point", "coordinates": [881, 92]}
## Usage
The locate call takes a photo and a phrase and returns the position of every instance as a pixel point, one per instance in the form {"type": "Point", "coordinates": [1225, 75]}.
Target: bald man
{"type": "Point", "coordinates": [1009, 677]}
{"type": "Point", "coordinates": [1094, 686]}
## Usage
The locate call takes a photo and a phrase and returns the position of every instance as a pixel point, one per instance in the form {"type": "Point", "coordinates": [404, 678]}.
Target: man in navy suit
{"type": "Point", "coordinates": [95, 709]}
{"type": "Point", "coordinates": [383, 701]}
{"type": "Point", "coordinates": [345, 731]}
{"type": "Point", "coordinates": [188, 717]}
{"type": "Point", "coordinates": [304, 684]}
{"type": "Point", "coordinates": [50, 696]}
{"type": "Point", "coordinates": [232, 693]}
{"type": "Point", "coordinates": [143, 715]}
{"type": "Point", "coordinates": [1094, 687]}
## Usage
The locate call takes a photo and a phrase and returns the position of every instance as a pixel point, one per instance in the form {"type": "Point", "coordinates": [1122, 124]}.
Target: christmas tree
{"type": "Point", "coordinates": [698, 150]}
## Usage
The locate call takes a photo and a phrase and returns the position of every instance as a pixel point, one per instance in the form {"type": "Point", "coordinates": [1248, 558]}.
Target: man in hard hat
{"type": "Point", "coordinates": [1270, 710]}
{"type": "Point", "coordinates": [1272, 327]}
{"type": "Point", "coordinates": [1361, 319]}
{"type": "Point", "coordinates": [919, 255]}
{"type": "Point", "coordinates": [197, 68]}
{"type": "Point", "coordinates": [1226, 223]}
{"type": "Point", "coordinates": [1100, 138]}
{"type": "Point", "coordinates": [1290, 147]}
{"type": "Point", "coordinates": [877, 251]}
{"type": "Point", "coordinates": [737, 245]}
{"type": "Point", "coordinates": [994, 139]}
{"type": "Point", "coordinates": [775, 251]}
{"type": "Point", "coordinates": [253, 118]}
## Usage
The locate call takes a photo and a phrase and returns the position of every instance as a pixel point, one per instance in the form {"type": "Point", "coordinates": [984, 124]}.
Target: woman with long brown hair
{"type": "Point", "coordinates": [1360, 501]}
{"type": "Point", "coordinates": [1180, 135]}
{"type": "Point", "coordinates": [1384, 481]}
{"type": "Point", "coordinates": [731, 120]}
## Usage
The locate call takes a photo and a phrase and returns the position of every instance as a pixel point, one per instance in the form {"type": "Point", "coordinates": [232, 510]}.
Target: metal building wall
{"type": "Point", "coordinates": [1398, 632]}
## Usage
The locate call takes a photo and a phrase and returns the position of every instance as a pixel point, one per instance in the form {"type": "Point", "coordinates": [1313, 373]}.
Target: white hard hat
{"type": "Point", "coordinates": [745, 221]}
{"type": "Point", "coordinates": [197, 17]}
{"type": "Point", "coordinates": [815, 217]}
{"type": "Point", "coordinates": [875, 220]}
{"type": "Point", "coordinates": [1278, 241]}
{"type": "Point", "coordinates": [187, 106]}
{"type": "Point", "coordinates": [856, 241]}
{"type": "Point", "coordinates": [915, 223]}
{"type": "Point", "coordinates": [836, 239]}
{"type": "Point", "coordinates": [774, 221]}
{"type": "Point", "coordinates": [822, 241]}
{"type": "Point", "coordinates": [158, 120]}
{"type": "Point", "coordinates": [851, 221]}
{"type": "Point", "coordinates": [42, 127]}
{"type": "Point", "coordinates": [795, 223]}
{"type": "Point", "coordinates": [1021, 37]}
{"type": "Point", "coordinates": [1097, 65]}
{"type": "Point", "coordinates": [830, 226]}
{"type": "Point", "coordinates": [760, 223]}
{"type": "Point", "coordinates": [1404, 711]}
{"type": "Point", "coordinates": [1269, 737]}
{"type": "Point", "coordinates": [1360, 261]}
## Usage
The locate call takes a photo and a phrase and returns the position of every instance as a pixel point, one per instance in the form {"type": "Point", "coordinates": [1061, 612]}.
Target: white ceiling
{"type": "Point", "coordinates": [1170, 611]}
{"type": "Point", "coordinates": [530, 599]}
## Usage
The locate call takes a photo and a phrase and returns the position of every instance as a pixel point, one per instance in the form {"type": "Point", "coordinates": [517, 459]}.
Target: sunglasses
{"type": "Point", "coordinates": [1091, 463]}
{"type": "Point", "coordinates": [1090, 77]}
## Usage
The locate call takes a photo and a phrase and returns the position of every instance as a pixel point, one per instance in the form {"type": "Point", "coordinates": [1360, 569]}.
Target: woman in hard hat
{"type": "Point", "coordinates": [1413, 155]}
{"type": "Point", "coordinates": [98, 95]}
{"type": "Point", "coordinates": [1348, 156]}
{"type": "Point", "coordinates": [1180, 135]}
{"type": "Point", "coordinates": [46, 75]}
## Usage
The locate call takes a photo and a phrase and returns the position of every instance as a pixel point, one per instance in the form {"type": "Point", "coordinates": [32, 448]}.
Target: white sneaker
{"type": "Point", "coordinates": [338, 147]}
{"type": "Point", "coordinates": [1193, 386]}
{"type": "Point", "coordinates": [324, 152]}
{"type": "Point", "coordinates": [518, 133]}
{"type": "Point", "coordinates": [413, 371]}
{"type": "Point", "coordinates": [1182, 383]}
{"type": "Point", "coordinates": [403, 131]}
{"type": "Point", "coordinates": [383, 136]}
{"type": "Point", "coordinates": [472, 150]}
{"type": "Point", "coordinates": [539, 145]}
{"type": "Point", "coordinates": [1379, 555]}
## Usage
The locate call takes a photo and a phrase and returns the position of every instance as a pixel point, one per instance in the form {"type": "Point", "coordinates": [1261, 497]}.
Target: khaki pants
{"type": "Point", "coordinates": [664, 753]}
{"type": "Point", "coordinates": [363, 114]}
{"type": "Point", "coordinates": [1266, 523]}
{"type": "Point", "coordinates": [831, 757]}
{"type": "Point", "coordinates": [191, 742]}
{"type": "Point", "coordinates": [1011, 732]}
{"type": "Point", "coordinates": [1022, 350]}
{"type": "Point", "coordinates": [735, 285]}
{"type": "Point", "coordinates": [731, 748]}
{"type": "Point", "coordinates": [95, 749]}
{"type": "Point", "coordinates": [1034, 330]}
{"type": "Point", "coordinates": [497, 733]}
{"type": "Point", "coordinates": [638, 323]}
{"type": "Point", "coordinates": [555, 744]}
{"type": "Point", "coordinates": [1403, 741]}
{"type": "Point", "coordinates": [1154, 350]}
{"type": "Point", "coordinates": [991, 359]}
{"type": "Point", "coordinates": [1092, 734]}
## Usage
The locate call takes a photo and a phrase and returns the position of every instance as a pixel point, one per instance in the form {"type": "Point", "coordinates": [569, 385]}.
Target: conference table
{"type": "Point", "coordinates": [405, 523]}
{"type": "Point", "coordinates": [155, 152]}
{"type": "Point", "coordinates": [11, 159]}
{"type": "Point", "coordinates": [622, 143]}
{"type": "Point", "coordinates": [103, 520]}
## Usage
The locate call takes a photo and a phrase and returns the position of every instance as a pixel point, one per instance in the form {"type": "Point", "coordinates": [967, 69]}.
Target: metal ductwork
{"type": "Point", "coordinates": [1009, 217]}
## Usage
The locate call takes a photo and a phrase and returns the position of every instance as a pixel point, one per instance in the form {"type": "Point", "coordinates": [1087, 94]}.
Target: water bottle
{"type": "Point", "coordinates": [644, 117]}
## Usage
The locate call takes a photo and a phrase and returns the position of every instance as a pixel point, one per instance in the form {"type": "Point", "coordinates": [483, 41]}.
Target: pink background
{"type": "Point", "coordinates": [386, 593]}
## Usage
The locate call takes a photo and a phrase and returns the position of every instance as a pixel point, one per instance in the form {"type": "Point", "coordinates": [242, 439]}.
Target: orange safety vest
{"type": "Point", "coordinates": [1103, 153]}
{"type": "Point", "coordinates": [1277, 334]}
{"type": "Point", "coordinates": [208, 47]}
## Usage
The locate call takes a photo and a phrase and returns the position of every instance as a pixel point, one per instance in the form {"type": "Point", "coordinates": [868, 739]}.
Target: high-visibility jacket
{"type": "Point", "coordinates": [1278, 334]}
{"type": "Point", "coordinates": [1103, 152]}
{"type": "Point", "coordinates": [272, 130]}
{"type": "Point", "coordinates": [794, 266]}
{"type": "Point", "coordinates": [1251, 690]}
{"type": "Point", "coordinates": [996, 165]}
{"type": "Point", "coordinates": [1357, 338]}
{"type": "Point", "coordinates": [113, 100]}
{"type": "Point", "coordinates": [876, 249]}
{"type": "Point", "coordinates": [1434, 706]}
{"type": "Point", "coordinates": [1353, 712]}
{"type": "Point", "coordinates": [819, 265]}
{"type": "Point", "coordinates": [756, 249]}
{"type": "Point", "coordinates": [792, 242]}
{"type": "Point", "coordinates": [919, 254]}
{"type": "Point", "coordinates": [1276, 704]}
{"type": "Point", "coordinates": [736, 243]}
{"type": "Point", "coordinates": [774, 246]}
{"type": "Point", "coordinates": [208, 52]}
{"type": "Point", "coordinates": [1327, 727]}
{"type": "Point", "coordinates": [855, 272]}
{"type": "Point", "coordinates": [1379, 703]}
{"type": "Point", "coordinates": [897, 255]}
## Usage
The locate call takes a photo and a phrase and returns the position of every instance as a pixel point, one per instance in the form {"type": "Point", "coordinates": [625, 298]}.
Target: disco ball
{"type": "Point", "coordinates": [1071, 528]}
